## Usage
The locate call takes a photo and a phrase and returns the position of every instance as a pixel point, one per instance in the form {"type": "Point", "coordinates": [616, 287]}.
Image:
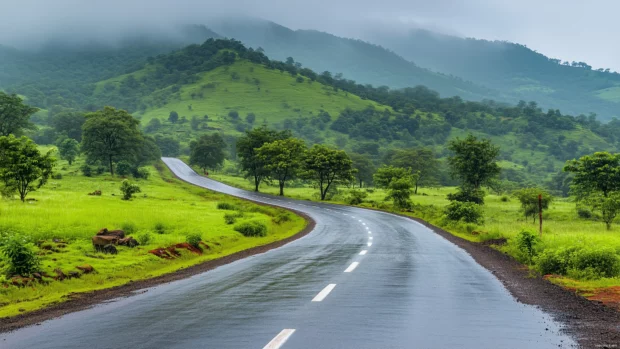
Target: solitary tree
{"type": "Point", "coordinates": [365, 168]}
{"type": "Point", "coordinates": [388, 174]}
{"type": "Point", "coordinates": [22, 167]}
{"type": "Point", "coordinates": [422, 162]}
{"type": "Point", "coordinates": [69, 149]}
{"type": "Point", "coordinates": [474, 162]}
{"type": "Point", "coordinates": [110, 135]}
{"type": "Point", "coordinates": [327, 166]}
{"type": "Point", "coordinates": [173, 117]}
{"type": "Point", "coordinates": [253, 165]}
{"type": "Point", "coordinates": [529, 201]}
{"type": "Point", "coordinates": [400, 193]}
{"type": "Point", "coordinates": [282, 159]}
{"type": "Point", "coordinates": [14, 115]}
{"type": "Point", "coordinates": [597, 183]}
{"type": "Point", "coordinates": [208, 151]}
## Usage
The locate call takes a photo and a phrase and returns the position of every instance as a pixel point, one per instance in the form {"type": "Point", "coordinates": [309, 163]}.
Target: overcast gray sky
{"type": "Point", "coordinates": [566, 29]}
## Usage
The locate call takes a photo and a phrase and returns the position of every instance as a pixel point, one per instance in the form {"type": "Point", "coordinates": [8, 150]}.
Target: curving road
{"type": "Point", "coordinates": [361, 279]}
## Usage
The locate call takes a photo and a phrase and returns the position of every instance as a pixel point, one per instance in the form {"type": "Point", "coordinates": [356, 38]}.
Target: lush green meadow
{"type": "Point", "coordinates": [163, 214]}
{"type": "Point", "coordinates": [562, 227]}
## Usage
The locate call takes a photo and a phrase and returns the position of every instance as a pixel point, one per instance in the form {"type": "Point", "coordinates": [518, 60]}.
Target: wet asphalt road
{"type": "Point", "coordinates": [410, 289]}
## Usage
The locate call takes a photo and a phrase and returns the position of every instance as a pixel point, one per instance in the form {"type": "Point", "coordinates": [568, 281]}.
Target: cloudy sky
{"type": "Point", "coordinates": [565, 29]}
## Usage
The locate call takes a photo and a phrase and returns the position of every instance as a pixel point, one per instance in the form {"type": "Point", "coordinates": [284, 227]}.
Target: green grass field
{"type": "Point", "coordinates": [63, 210]}
{"type": "Point", "coordinates": [562, 227]}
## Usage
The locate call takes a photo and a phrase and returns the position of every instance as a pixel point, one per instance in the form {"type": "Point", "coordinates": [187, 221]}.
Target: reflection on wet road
{"type": "Point", "coordinates": [361, 279]}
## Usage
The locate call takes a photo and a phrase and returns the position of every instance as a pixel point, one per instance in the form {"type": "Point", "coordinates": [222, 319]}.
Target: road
{"type": "Point", "coordinates": [360, 279]}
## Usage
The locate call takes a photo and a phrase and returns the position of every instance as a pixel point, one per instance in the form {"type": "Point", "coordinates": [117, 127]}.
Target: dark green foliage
{"type": "Point", "coordinates": [14, 115]}
{"type": "Point", "coordinates": [140, 173]}
{"type": "Point", "coordinates": [468, 195]}
{"type": "Point", "coordinates": [129, 228]}
{"type": "Point", "coordinates": [207, 152]}
{"type": "Point", "coordinates": [153, 126]}
{"type": "Point", "coordinates": [252, 164]}
{"type": "Point", "coordinates": [173, 117]}
{"type": "Point", "coordinates": [527, 242]}
{"type": "Point", "coordinates": [422, 163]}
{"type": "Point", "coordinates": [69, 123]}
{"type": "Point", "coordinates": [474, 162]}
{"type": "Point", "coordinates": [327, 167]}
{"type": "Point", "coordinates": [468, 212]}
{"type": "Point", "coordinates": [400, 190]}
{"type": "Point", "coordinates": [356, 197]}
{"type": "Point", "coordinates": [123, 168]}
{"type": "Point", "coordinates": [86, 170]}
{"type": "Point", "coordinates": [22, 260]}
{"type": "Point", "coordinates": [169, 146]}
{"type": "Point", "coordinates": [251, 228]}
{"type": "Point", "coordinates": [226, 206]}
{"type": "Point", "coordinates": [529, 201]}
{"type": "Point", "coordinates": [194, 240]}
{"type": "Point", "coordinates": [128, 189]}
{"type": "Point", "coordinates": [160, 228]}
{"type": "Point", "coordinates": [23, 169]}
{"type": "Point", "coordinates": [388, 174]}
{"type": "Point", "coordinates": [250, 118]}
{"type": "Point", "coordinates": [69, 149]}
{"type": "Point", "coordinates": [144, 238]}
{"type": "Point", "coordinates": [579, 262]}
{"type": "Point", "coordinates": [364, 168]}
{"type": "Point", "coordinates": [281, 217]}
{"type": "Point", "coordinates": [282, 159]}
{"type": "Point", "coordinates": [230, 218]}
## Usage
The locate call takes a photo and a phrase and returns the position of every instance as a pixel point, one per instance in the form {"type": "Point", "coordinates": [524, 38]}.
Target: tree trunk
{"type": "Point", "coordinates": [608, 224]}
{"type": "Point", "coordinates": [111, 166]}
{"type": "Point", "coordinates": [256, 183]}
{"type": "Point", "coordinates": [416, 188]}
{"type": "Point", "coordinates": [360, 184]}
{"type": "Point", "coordinates": [281, 188]}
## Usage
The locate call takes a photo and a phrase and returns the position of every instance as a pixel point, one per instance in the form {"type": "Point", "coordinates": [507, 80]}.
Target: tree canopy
{"type": "Point", "coordinates": [283, 159]}
{"type": "Point", "coordinates": [474, 162]}
{"type": "Point", "coordinates": [208, 151]}
{"type": "Point", "coordinates": [327, 166]}
{"type": "Point", "coordinates": [14, 115]}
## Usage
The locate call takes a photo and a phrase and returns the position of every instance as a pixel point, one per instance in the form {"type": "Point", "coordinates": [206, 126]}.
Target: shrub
{"type": "Point", "coordinates": [57, 175]}
{"type": "Point", "coordinates": [526, 242]}
{"type": "Point", "coordinates": [160, 228]}
{"type": "Point", "coordinates": [100, 169]}
{"type": "Point", "coordinates": [129, 228]}
{"type": "Point", "coordinates": [468, 212]}
{"type": "Point", "coordinates": [356, 197]}
{"type": "Point", "coordinates": [596, 262]}
{"type": "Point", "coordinates": [584, 213]}
{"type": "Point", "coordinates": [230, 218]}
{"type": "Point", "coordinates": [141, 173]}
{"type": "Point", "coordinates": [555, 261]}
{"type": "Point", "coordinates": [468, 195]}
{"type": "Point", "coordinates": [504, 198]}
{"type": "Point", "coordinates": [281, 217]}
{"type": "Point", "coordinates": [194, 239]}
{"type": "Point", "coordinates": [226, 206]}
{"type": "Point", "coordinates": [22, 260]}
{"type": "Point", "coordinates": [123, 168]}
{"type": "Point", "coordinates": [252, 228]}
{"type": "Point", "coordinates": [86, 170]}
{"type": "Point", "coordinates": [144, 239]}
{"type": "Point", "coordinates": [129, 189]}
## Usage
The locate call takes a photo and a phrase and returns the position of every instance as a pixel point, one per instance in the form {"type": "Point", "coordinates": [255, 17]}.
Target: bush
{"type": "Point", "coordinates": [129, 228]}
{"type": "Point", "coordinates": [356, 197]}
{"type": "Point", "coordinates": [281, 217]}
{"type": "Point", "coordinates": [526, 242]}
{"type": "Point", "coordinates": [57, 175]}
{"type": "Point", "coordinates": [141, 173]}
{"type": "Point", "coordinates": [226, 206]}
{"type": "Point", "coordinates": [22, 260]}
{"type": "Point", "coordinates": [555, 261]}
{"type": "Point", "coordinates": [593, 263]}
{"type": "Point", "coordinates": [123, 168]}
{"type": "Point", "coordinates": [160, 228]}
{"type": "Point", "coordinates": [584, 213]}
{"type": "Point", "coordinates": [230, 218]}
{"type": "Point", "coordinates": [144, 239]}
{"type": "Point", "coordinates": [504, 198]}
{"type": "Point", "coordinates": [468, 195]}
{"type": "Point", "coordinates": [194, 240]}
{"type": "Point", "coordinates": [86, 170]}
{"type": "Point", "coordinates": [100, 170]}
{"type": "Point", "coordinates": [129, 189]}
{"type": "Point", "coordinates": [468, 212]}
{"type": "Point", "coordinates": [252, 228]}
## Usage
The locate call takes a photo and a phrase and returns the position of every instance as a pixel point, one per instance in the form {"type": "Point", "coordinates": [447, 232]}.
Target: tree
{"type": "Point", "coordinates": [173, 117]}
{"type": "Point", "coordinates": [168, 145]}
{"type": "Point", "coordinates": [422, 162]}
{"type": "Point", "coordinates": [387, 174]}
{"type": "Point", "coordinates": [208, 151]}
{"type": "Point", "coordinates": [69, 123]}
{"type": "Point", "coordinates": [128, 189]}
{"type": "Point", "coordinates": [474, 162]}
{"type": "Point", "coordinates": [69, 149]}
{"type": "Point", "coordinates": [400, 193]}
{"type": "Point", "coordinates": [250, 118]}
{"type": "Point", "coordinates": [327, 166]}
{"type": "Point", "coordinates": [365, 168]}
{"type": "Point", "coordinates": [597, 183]}
{"type": "Point", "coordinates": [22, 167]}
{"type": "Point", "coordinates": [110, 135]}
{"type": "Point", "coordinates": [153, 125]}
{"type": "Point", "coordinates": [14, 115]}
{"type": "Point", "coordinates": [282, 159]}
{"type": "Point", "coordinates": [529, 201]}
{"type": "Point", "coordinates": [194, 123]}
{"type": "Point", "coordinates": [251, 163]}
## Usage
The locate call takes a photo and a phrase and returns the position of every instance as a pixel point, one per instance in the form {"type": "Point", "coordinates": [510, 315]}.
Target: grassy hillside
{"type": "Point", "coordinates": [515, 70]}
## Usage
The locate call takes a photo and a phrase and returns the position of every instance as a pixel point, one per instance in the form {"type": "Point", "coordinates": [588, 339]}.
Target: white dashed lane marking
{"type": "Point", "coordinates": [280, 339]}
{"type": "Point", "coordinates": [319, 297]}
{"type": "Point", "coordinates": [351, 267]}
{"type": "Point", "coordinates": [369, 244]}
{"type": "Point", "coordinates": [363, 252]}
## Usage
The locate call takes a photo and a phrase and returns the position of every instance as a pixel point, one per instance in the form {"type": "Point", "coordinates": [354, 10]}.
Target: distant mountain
{"type": "Point", "coordinates": [518, 72]}
{"type": "Point", "coordinates": [355, 59]}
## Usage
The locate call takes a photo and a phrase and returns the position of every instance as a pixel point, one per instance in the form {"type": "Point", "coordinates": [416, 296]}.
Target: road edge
{"type": "Point", "coordinates": [87, 300]}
